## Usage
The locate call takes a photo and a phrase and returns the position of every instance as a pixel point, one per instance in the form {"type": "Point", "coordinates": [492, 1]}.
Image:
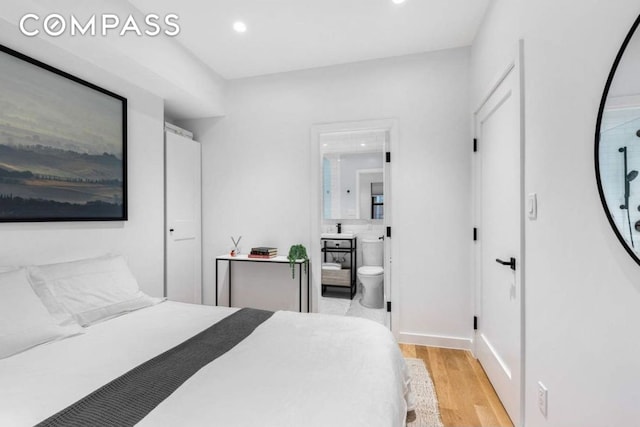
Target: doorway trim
{"type": "Point", "coordinates": [516, 66]}
{"type": "Point", "coordinates": [315, 202]}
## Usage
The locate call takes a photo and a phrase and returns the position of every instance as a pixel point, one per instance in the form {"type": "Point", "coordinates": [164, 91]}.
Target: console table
{"type": "Point", "coordinates": [280, 259]}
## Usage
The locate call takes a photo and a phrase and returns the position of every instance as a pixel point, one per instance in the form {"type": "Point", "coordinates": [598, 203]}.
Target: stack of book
{"type": "Point", "coordinates": [263, 252]}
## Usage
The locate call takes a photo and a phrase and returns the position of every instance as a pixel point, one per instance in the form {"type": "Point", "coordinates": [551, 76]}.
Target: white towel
{"type": "Point", "coordinates": [331, 266]}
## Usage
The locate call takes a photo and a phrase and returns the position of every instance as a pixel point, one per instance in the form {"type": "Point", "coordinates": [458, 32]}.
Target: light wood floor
{"type": "Point", "coordinates": [465, 395]}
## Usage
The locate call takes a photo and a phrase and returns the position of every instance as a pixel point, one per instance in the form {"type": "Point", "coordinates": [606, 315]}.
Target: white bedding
{"type": "Point", "coordinates": [293, 370]}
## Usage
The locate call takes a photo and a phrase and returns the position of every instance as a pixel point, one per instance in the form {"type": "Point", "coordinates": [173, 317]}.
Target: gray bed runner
{"type": "Point", "coordinates": [128, 399]}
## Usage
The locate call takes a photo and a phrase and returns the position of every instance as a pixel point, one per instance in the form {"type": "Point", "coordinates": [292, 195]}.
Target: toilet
{"type": "Point", "coordinates": [371, 274]}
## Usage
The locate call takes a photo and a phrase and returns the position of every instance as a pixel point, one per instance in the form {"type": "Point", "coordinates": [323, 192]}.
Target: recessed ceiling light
{"type": "Point", "coordinates": [241, 27]}
{"type": "Point", "coordinates": [398, 1]}
{"type": "Point", "coordinates": [363, 145]}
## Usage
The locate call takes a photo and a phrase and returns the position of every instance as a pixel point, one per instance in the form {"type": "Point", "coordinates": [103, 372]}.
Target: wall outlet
{"type": "Point", "coordinates": [542, 398]}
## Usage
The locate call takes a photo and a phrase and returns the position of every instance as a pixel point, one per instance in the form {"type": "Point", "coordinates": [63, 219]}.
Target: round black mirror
{"type": "Point", "coordinates": [617, 148]}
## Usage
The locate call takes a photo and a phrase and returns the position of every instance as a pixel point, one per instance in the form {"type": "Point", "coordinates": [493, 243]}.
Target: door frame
{"type": "Point", "coordinates": [516, 66]}
{"type": "Point", "coordinates": [391, 126]}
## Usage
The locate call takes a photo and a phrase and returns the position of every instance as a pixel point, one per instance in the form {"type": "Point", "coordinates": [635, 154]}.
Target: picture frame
{"type": "Point", "coordinates": [63, 145]}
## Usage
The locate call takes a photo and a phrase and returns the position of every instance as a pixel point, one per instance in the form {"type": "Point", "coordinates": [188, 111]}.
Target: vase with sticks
{"type": "Point", "coordinates": [235, 251]}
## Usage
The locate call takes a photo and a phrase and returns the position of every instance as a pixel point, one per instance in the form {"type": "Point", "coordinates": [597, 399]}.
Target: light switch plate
{"type": "Point", "coordinates": [532, 206]}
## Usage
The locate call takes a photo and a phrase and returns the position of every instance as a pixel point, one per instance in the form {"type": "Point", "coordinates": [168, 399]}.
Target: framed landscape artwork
{"type": "Point", "coordinates": [63, 145]}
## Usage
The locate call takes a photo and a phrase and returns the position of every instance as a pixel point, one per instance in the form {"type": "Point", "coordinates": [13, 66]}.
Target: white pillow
{"type": "Point", "coordinates": [56, 310]}
{"type": "Point", "coordinates": [24, 320]}
{"type": "Point", "coordinates": [90, 290]}
{"type": "Point", "coordinates": [62, 317]}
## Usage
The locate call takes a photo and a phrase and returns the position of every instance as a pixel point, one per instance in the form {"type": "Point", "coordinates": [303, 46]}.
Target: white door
{"type": "Point", "coordinates": [183, 219]}
{"type": "Point", "coordinates": [500, 236]}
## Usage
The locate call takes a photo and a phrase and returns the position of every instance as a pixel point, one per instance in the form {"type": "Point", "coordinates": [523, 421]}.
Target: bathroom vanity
{"type": "Point", "coordinates": [339, 259]}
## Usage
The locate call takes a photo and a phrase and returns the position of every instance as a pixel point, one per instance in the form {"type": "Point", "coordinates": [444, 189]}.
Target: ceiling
{"type": "Point", "coordinates": [287, 35]}
{"type": "Point", "coordinates": [188, 71]}
{"type": "Point", "coordinates": [366, 141]}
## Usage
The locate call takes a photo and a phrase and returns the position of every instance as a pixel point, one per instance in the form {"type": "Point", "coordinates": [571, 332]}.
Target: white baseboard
{"type": "Point", "coordinates": [435, 341]}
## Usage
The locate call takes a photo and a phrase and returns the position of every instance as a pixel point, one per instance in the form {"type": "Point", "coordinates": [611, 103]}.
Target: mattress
{"type": "Point", "coordinates": [292, 370]}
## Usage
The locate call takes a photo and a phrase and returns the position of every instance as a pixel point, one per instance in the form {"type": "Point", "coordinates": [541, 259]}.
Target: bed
{"type": "Point", "coordinates": [290, 369]}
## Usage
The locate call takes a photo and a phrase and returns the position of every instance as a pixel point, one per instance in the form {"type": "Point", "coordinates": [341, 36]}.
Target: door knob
{"type": "Point", "coordinates": [511, 263]}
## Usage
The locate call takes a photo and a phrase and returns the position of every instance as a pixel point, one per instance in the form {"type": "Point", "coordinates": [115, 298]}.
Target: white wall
{"type": "Point", "coordinates": [495, 46]}
{"type": "Point", "coordinates": [256, 173]}
{"type": "Point", "coordinates": [582, 289]}
{"type": "Point", "coordinates": [140, 238]}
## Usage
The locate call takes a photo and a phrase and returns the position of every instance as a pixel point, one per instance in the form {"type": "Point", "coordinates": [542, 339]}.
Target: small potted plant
{"type": "Point", "coordinates": [297, 252]}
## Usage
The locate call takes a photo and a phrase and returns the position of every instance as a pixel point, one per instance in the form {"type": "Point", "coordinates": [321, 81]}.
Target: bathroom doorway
{"type": "Point", "coordinates": [351, 186]}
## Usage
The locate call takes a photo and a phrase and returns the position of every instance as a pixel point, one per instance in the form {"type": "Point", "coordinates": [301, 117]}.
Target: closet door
{"type": "Point", "coordinates": [183, 237]}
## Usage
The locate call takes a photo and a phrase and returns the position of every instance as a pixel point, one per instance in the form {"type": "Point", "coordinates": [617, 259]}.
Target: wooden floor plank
{"type": "Point", "coordinates": [408, 350]}
{"type": "Point", "coordinates": [489, 391]}
{"type": "Point", "coordinates": [465, 395]}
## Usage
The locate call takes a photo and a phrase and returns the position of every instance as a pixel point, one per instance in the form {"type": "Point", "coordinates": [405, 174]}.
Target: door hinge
{"type": "Point", "coordinates": [388, 306]}
{"type": "Point", "coordinates": [475, 234]}
{"type": "Point", "coordinates": [388, 157]}
{"type": "Point", "coordinates": [475, 323]}
{"type": "Point", "coordinates": [388, 231]}
{"type": "Point", "coordinates": [475, 145]}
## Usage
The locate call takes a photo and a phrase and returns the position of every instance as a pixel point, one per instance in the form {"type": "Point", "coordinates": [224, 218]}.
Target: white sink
{"type": "Point", "coordinates": [348, 235]}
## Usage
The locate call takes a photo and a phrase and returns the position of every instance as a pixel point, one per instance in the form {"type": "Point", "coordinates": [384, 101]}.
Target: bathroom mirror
{"type": "Point", "coordinates": [617, 148]}
{"type": "Point", "coordinates": [353, 174]}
